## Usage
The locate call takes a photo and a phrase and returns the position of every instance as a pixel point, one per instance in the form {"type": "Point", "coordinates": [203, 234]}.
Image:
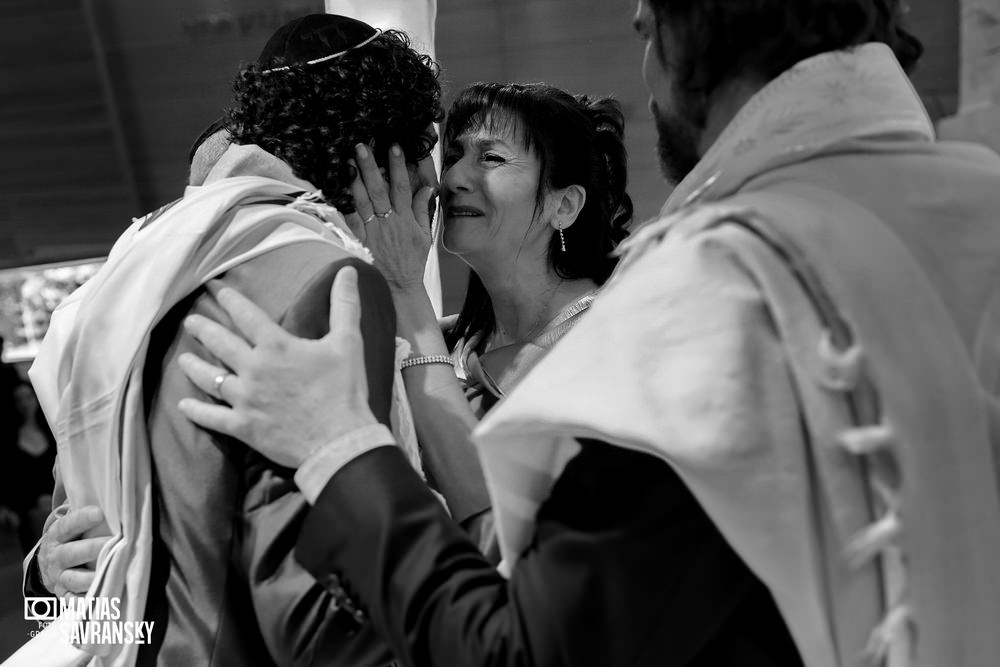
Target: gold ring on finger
{"type": "Point", "coordinates": [383, 216]}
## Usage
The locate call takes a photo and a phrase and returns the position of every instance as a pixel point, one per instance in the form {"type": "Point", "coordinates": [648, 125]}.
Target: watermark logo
{"type": "Point", "coordinates": [41, 609]}
{"type": "Point", "coordinates": [95, 620]}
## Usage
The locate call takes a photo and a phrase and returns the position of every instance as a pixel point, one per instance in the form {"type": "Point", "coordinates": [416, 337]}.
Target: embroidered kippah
{"type": "Point", "coordinates": [217, 124]}
{"type": "Point", "coordinates": [307, 40]}
{"type": "Point", "coordinates": [313, 39]}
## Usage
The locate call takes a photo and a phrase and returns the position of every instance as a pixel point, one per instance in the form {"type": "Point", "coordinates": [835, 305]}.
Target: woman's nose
{"type": "Point", "coordinates": [457, 176]}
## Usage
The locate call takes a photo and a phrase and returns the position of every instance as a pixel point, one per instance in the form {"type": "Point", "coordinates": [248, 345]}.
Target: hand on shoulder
{"type": "Point", "coordinates": [282, 395]}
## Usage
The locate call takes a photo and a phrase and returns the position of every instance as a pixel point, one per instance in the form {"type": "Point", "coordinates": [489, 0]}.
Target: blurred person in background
{"type": "Point", "coordinates": [771, 441]}
{"type": "Point", "coordinates": [9, 423]}
{"type": "Point", "coordinates": [9, 379]}
{"type": "Point", "coordinates": [25, 497]}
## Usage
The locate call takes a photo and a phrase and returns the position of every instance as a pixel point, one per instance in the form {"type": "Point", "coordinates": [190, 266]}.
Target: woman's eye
{"type": "Point", "coordinates": [492, 157]}
{"type": "Point", "coordinates": [450, 159]}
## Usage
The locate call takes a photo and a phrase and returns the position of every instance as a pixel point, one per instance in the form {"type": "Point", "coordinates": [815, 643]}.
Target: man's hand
{"type": "Point", "coordinates": [287, 396]}
{"type": "Point", "coordinates": [69, 548]}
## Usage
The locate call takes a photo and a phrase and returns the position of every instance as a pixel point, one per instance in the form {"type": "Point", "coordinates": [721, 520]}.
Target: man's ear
{"type": "Point", "coordinates": [569, 201]}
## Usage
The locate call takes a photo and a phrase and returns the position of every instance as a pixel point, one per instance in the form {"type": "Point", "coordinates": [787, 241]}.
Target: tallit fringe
{"type": "Point", "coordinates": [887, 635]}
{"type": "Point", "coordinates": [842, 368]}
{"type": "Point", "coordinates": [892, 639]}
{"type": "Point", "coordinates": [868, 440]}
{"type": "Point", "coordinates": [874, 539]}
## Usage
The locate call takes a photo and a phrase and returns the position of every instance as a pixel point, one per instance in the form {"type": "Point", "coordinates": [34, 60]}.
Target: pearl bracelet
{"type": "Point", "coordinates": [431, 359]}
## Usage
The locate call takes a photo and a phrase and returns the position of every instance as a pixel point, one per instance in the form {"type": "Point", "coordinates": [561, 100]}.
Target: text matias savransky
{"type": "Point", "coordinates": [95, 620]}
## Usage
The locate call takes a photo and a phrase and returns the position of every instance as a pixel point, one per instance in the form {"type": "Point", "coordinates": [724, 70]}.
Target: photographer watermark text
{"type": "Point", "coordinates": [95, 620]}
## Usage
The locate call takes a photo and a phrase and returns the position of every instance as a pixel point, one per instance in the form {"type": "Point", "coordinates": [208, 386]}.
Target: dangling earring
{"type": "Point", "coordinates": [562, 239]}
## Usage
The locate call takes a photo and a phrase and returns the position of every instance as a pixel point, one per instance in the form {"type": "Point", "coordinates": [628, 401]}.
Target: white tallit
{"type": "Point", "coordinates": [89, 370]}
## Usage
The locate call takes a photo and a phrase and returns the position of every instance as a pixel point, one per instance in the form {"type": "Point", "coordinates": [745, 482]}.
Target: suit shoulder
{"type": "Point", "coordinates": [308, 314]}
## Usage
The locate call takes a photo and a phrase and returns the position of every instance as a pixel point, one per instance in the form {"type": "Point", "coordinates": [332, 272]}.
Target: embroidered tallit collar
{"type": "Point", "coordinates": [252, 160]}
{"type": "Point", "coordinates": [819, 103]}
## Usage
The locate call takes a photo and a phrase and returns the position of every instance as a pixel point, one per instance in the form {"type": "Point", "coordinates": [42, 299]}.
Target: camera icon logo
{"type": "Point", "coordinates": [41, 609]}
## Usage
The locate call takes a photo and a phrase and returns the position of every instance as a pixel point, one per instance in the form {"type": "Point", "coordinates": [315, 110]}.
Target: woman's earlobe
{"type": "Point", "coordinates": [572, 199]}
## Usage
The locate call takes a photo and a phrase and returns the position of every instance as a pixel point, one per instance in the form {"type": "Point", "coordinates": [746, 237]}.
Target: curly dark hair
{"type": "Point", "coordinates": [714, 41]}
{"type": "Point", "coordinates": [579, 141]}
{"type": "Point", "coordinates": [312, 116]}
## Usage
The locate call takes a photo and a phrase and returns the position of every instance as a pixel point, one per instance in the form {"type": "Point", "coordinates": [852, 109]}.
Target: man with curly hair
{"type": "Point", "coordinates": [203, 528]}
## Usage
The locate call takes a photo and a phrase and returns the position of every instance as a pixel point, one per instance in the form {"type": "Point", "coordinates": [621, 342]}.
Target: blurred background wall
{"type": "Point", "coordinates": [102, 98]}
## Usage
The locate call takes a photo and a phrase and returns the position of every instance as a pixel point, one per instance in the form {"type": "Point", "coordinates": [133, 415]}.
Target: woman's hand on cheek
{"type": "Point", "coordinates": [397, 225]}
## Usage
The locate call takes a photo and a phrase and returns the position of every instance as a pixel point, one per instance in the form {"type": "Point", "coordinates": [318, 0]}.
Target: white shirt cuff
{"type": "Point", "coordinates": [314, 473]}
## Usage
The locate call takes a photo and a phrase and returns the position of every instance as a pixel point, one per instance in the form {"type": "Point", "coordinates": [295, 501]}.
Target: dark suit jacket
{"type": "Point", "coordinates": [225, 589]}
{"type": "Point", "coordinates": [624, 569]}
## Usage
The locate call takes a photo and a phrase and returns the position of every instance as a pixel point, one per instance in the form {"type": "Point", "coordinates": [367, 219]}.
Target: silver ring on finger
{"type": "Point", "coordinates": [369, 218]}
{"type": "Point", "coordinates": [219, 380]}
{"type": "Point", "coordinates": [383, 216]}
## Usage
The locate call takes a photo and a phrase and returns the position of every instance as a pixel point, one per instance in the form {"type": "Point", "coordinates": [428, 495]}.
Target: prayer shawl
{"type": "Point", "coordinates": [89, 370]}
{"type": "Point", "coordinates": [796, 361]}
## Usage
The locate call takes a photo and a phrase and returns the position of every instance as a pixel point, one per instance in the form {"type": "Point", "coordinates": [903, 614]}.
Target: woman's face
{"type": "Point", "coordinates": [489, 186]}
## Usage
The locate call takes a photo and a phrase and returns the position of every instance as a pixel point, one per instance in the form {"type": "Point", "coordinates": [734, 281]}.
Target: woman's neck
{"type": "Point", "coordinates": [524, 303]}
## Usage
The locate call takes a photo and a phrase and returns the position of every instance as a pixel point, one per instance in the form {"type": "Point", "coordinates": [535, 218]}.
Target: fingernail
{"type": "Point", "coordinates": [191, 324]}
{"type": "Point", "coordinates": [223, 293]}
{"type": "Point", "coordinates": [350, 275]}
{"type": "Point", "coordinates": [362, 151]}
{"type": "Point", "coordinates": [396, 150]}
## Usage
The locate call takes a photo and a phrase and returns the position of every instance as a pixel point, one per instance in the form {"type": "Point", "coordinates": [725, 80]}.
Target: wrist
{"type": "Point", "coordinates": [418, 324]}
{"type": "Point", "coordinates": [358, 420]}
{"type": "Point", "coordinates": [323, 463]}
{"type": "Point", "coordinates": [408, 293]}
